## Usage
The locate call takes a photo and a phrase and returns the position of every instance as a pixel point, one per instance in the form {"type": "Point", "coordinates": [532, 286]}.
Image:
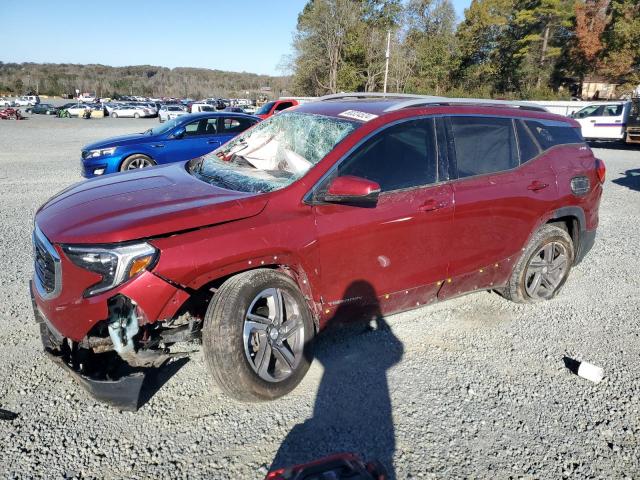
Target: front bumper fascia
{"type": "Point", "coordinates": [121, 391]}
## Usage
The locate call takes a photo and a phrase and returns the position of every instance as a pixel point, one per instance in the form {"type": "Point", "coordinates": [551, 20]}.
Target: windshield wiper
{"type": "Point", "coordinates": [218, 180]}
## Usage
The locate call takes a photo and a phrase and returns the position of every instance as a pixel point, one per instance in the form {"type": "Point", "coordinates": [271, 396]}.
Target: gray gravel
{"type": "Point", "coordinates": [474, 387]}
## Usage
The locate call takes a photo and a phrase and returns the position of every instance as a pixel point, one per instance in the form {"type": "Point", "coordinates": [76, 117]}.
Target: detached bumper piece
{"type": "Point", "coordinates": [105, 376]}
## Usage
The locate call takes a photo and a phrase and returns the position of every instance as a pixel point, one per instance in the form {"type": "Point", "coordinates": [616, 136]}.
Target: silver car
{"type": "Point", "coordinates": [131, 111]}
{"type": "Point", "coordinates": [169, 112]}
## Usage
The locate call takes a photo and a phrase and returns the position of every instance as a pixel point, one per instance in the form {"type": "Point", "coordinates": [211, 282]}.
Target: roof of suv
{"type": "Point", "coordinates": [366, 106]}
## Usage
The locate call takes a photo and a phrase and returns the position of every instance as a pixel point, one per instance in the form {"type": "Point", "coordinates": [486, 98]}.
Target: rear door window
{"type": "Point", "coordinates": [612, 111]}
{"type": "Point", "coordinates": [399, 157]}
{"type": "Point", "coordinates": [483, 145]}
{"type": "Point", "coordinates": [234, 124]}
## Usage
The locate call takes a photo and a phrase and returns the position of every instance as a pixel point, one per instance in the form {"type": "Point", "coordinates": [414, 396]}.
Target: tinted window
{"type": "Point", "coordinates": [399, 157]}
{"type": "Point", "coordinates": [483, 145]}
{"type": "Point", "coordinates": [549, 133]}
{"type": "Point", "coordinates": [284, 105]}
{"type": "Point", "coordinates": [235, 125]}
{"type": "Point", "coordinates": [527, 145]}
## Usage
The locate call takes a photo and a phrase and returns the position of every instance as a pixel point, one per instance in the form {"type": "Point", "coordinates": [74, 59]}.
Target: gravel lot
{"type": "Point", "coordinates": [475, 387]}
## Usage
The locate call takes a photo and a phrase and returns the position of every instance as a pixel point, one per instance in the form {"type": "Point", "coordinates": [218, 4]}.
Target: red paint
{"type": "Point", "coordinates": [349, 186]}
{"type": "Point", "coordinates": [278, 106]}
{"type": "Point", "coordinates": [414, 247]}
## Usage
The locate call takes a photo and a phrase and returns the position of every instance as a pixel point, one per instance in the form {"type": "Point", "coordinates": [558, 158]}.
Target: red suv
{"type": "Point", "coordinates": [335, 208]}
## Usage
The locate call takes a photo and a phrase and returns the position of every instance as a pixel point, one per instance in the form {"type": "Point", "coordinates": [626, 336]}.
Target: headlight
{"type": "Point", "coordinates": [116, 265]}
{"type": "Point", "coordinates": [101, 152]}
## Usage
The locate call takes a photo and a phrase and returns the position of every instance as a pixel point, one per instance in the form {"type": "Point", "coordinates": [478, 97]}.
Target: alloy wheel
{"type": "Point", "coordinates": [546, 271]}
{"type": "Point", "coordinates": [139, 163]}
{"type": "Point", "coordinates": [273, 335]}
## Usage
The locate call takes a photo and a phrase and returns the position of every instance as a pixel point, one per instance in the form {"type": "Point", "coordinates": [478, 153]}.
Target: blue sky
{"type": "Point", "coordinates": [236, 35]}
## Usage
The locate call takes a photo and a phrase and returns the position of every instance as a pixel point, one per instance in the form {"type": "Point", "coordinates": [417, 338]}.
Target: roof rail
{"type": "Point", "coordinates": [417, 102]}
{"type": "Point", "coordinates": [336, 96]}
{"type": "Point", "coordinates": [411, 100]}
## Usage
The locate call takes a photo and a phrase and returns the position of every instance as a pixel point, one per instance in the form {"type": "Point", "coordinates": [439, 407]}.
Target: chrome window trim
{"type": "Point", "coordinates": [57, 288]}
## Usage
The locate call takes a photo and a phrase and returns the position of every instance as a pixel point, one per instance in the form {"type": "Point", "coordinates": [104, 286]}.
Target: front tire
{"type": "Point", "coordinates": [543, 267]}
{"type": "Point", "coordinates": [114, 115]}
{"type": "Point", "coordinates": [257, 336]}
{"type": "Point", "coordinates": [135, 162]}
{"type": "Point", "coordinates": [136, 115]}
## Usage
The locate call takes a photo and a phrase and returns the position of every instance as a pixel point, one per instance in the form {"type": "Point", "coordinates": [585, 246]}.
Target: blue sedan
{"type": "Point", "coordinates": [182, 138]}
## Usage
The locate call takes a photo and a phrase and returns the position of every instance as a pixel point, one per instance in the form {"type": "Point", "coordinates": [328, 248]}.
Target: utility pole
{"type": "Point", "coordinates": [387, 55]}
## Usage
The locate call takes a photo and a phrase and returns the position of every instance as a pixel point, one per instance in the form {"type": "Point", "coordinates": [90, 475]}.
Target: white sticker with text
{"type": "Point", "coordinates": [357, 115]}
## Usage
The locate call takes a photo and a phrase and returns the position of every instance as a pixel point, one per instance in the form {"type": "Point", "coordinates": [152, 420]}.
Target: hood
{"type": "Point", "coordinates": [139, 204]}
{"type": "Point", "coordinates": [120, 140]}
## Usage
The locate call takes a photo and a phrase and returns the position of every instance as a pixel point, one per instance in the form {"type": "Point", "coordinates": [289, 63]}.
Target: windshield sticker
{"type": "Point", "coordinates": [357, 115]}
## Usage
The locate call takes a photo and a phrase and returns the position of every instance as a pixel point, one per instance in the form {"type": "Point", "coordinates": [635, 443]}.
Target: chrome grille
{"type": "Point", "coordinates": [46, 266]}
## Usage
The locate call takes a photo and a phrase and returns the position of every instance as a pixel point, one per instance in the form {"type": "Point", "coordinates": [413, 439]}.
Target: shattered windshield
{"type": "Point", "coordinates": [274, 153]}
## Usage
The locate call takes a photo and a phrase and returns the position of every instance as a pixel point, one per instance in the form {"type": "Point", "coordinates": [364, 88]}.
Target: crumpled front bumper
{"type": "Point", "coordinates": [119, 387]}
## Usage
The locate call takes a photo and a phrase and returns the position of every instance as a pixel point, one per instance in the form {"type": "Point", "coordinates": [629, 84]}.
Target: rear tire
{"type": "Point", "coordinates": [136, 115]}
{"type": "Point", "coordinates": [114, 115]}
{"type": "Point", "coordinates": [543, 267]}
{"type": "Point", "coordinates": [253, 352]}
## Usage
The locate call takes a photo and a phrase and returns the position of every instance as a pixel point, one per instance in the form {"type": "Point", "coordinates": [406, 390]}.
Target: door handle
{"type": "Point", "coordinates": [537, 185]}
{"type": "Point", "coordinates": [158, 145]}
{"type": "Point", "coordinates": [213, 142]}
{"type": "Point", "coordinates": [431, 205]}
{"type": "Point", "coordinates": [592, 121]}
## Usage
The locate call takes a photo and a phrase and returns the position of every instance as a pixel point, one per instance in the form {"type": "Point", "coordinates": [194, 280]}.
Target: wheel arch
{"type": "Point", "coordinates": [573, 219]}
{"type": "Point", "coordinates": [202, 290]}
{"type": "Point", "coordinates": [127, 155]}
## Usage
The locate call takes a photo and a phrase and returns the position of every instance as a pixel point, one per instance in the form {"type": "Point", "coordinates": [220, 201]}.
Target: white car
{"type": "Point", "coordinates": [131, 111]}
{"type": "Point", "coordinates": [77, 110]}
{"type": "Point", "coordinates": [27, 100]}
{"type": "Point", "coordinates": [603, 121]}
{"type": "Point", "coordinates": [169, 112]}
{"type": "Point", "coordinates": [87, 98]}
{"type": "Point", "coordinates": [5, 102]}
{"type": "Point", "coordinates": [202, 107]}
{"type": "Point", "coordinates": [249, 109]}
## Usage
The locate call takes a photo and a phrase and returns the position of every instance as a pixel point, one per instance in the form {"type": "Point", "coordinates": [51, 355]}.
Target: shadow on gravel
{"type": "Point", "coordinates": [352, 411]}
{"type": "Point", "coordinates": [630, 180]}
{"type": "Point", "coordinates": [155, 380]}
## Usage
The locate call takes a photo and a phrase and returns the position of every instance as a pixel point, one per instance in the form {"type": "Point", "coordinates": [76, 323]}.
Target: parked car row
{"type": "Point", "coordinates": [23, 101]}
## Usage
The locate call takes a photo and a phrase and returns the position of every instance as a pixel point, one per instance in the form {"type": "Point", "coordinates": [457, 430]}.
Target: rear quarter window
{"type": "Point", "coordinates": [551, 133]}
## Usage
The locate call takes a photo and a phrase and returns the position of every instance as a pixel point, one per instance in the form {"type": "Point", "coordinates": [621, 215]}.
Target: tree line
{"type": "Point", "coordinates": [146, 80]}
{"type": "Point", "coordinates": [508, 48]}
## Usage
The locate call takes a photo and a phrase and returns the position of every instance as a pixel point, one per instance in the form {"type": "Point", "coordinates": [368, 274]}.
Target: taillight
{"type": "Point", "coordinates": [601, 170]}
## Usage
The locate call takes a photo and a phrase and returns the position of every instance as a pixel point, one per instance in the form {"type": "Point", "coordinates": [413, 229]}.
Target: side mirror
{"type": "Point", "coordinates": [350, 190]}
{"type": "Point", "coordinates": [178, 132]}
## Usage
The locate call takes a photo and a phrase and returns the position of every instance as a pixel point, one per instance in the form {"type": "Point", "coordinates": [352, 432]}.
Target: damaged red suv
{"type": "Point", "coordinates": [340, 207]}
